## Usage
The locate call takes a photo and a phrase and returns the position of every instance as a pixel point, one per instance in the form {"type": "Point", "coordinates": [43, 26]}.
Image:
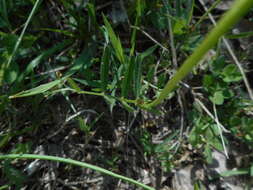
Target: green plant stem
{"type": "Point", "coordinates": [76, 163]}
{"type": "Point", "coordinates": [238, 10]}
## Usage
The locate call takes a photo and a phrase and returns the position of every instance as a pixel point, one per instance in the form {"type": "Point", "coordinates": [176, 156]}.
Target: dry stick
{"type": "Point", "coordinates": [210, 114]}
{"type": "Point", "coordinates": [174, 61]}
{"type": "Point", "coordinates": [150, 37]}
{"type": "Point", "coordinates": [220, 131]}
{"type": "Point", "coordinates": [230, 51]}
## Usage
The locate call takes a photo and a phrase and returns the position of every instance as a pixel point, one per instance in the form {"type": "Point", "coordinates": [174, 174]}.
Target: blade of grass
{"type": "Point", "coordinates": [92, 14]}
{"type": "Point", "coordinates": [128, 77]}
{"type": "Point", "coordinates": [76, 163]}
{"type": "Point", "coordinates": [136, 23]}
{"type": "Point", "coordinates": [35, 7]}
{"type": "Point", "coordinates": [44, 55]}
{"type": "Point", "coordinates": [83, 61]}
{"type": "Point", "coordinates": [115, 41]}
{"type": "Point", "coordinates": [234, 172]}
{"type": "Point", "coordinates": [4, 13]}
{"type": "Point", "coordinates": [104, 69]}
{"type": "Point", "coordinates": [137, 76]}
{"type": "Point", "coordinates": [37, 90]}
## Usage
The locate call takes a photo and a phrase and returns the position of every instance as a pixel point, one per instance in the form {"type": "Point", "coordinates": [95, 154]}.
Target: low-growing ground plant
{"type": "Point", "coordinates": [87, 57]}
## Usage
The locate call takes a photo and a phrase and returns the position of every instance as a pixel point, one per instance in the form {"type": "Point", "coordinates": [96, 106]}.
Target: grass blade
{"type": "Point", "coordinates": [44, 55]}
{"type": "Point", "coordinates": [36, 5]}
{"type": "Point", "coordinates": [137, 76]}
{"type": "Point", "coordinates": [76, 163]}
{"type": "Point", "coordinates": [37, 90]}
{"type": "Point", "coordinates": [104, 69]}
{"type": "Point", "coordinates": [115, 41]}
{"type": "Point", "coordinates": [127, 81]}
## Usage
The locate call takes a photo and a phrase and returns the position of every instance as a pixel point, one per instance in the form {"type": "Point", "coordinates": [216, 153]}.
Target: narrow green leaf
{"type": "Point", "coordinates": [64, 32]}
{"type": "Point", "coordinates": [43, 56]}
{"type": "Point", "coordinates": [234, 172]}
{"type": "Point", "coordinates": [147, 52]}
{"type": "Point", "coordinates": [83, 61]}
{"type": "Point", "coordinates": [115, 41]}
{"type": "Point", "coordinates": [37, 90]}
{"type": "Point", "coordinates": [251, 170]}
{"type": "Point", "coordinates": [127, 106]}
{"type": "Point", "coordinates": [104, 69]}
{"type": "Point", "coordinates": [73, 84]}
{"type": "Point", "coordinates": [35, 7]}
{"type": "Point", "coordinates": [136, 24]}
{"type": "Point", "coordinates": [137, 77]}
{"type": "Point", "coordinates": [128, 77]}
{"type": "Point", "coordinates": [92, 14]}
{"type": "Point", "coordinates": [110, 100]}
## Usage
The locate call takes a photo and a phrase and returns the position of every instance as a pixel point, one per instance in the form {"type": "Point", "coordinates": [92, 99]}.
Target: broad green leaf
{"type": "Point", "coordinates": [217, 65]}
{"type": "Point", "coordinates": [231, 73]}
{"type": "Point", "coordinates": [218, 98]}
{"type": "Point", "coordinates": [37, 90]}
{"type": "Point", "coordinates": [216, 143]}
{"type": "Point", "coordinates": [11, 73]}
{"type": "Point", "coordinates": [179, 27]}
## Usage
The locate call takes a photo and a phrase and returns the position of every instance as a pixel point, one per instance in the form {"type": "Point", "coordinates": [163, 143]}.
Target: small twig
{"type": "Point", "coordinates": [210, 114]}
{"type": "Point", "coordinates": [150, 37]}
{"type": "Point", "coordinates": [220, 131]}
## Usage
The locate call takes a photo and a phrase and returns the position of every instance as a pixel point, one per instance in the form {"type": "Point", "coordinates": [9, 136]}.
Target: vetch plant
{"type": "Point", "coordinates": [238, 10]}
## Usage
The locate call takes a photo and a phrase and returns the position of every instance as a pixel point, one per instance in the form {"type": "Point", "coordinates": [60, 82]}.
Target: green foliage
{"type": "Point", "coordinates": [218, 83]}
{"type": "Point", "coordinates": [75, 49]}
{"type": "Point", "coordinates": [205, 134]}
{"type": "Point", "coordinates": [14, 176]}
